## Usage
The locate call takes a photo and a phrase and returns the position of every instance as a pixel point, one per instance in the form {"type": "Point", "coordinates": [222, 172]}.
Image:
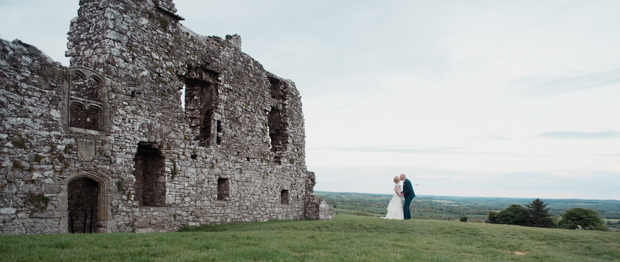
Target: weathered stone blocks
{"type": "Point", "coordinates": [167, 127]}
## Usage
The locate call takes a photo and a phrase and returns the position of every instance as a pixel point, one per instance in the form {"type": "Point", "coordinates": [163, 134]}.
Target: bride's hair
{"type": "Point", "coordinates": [396, 179]}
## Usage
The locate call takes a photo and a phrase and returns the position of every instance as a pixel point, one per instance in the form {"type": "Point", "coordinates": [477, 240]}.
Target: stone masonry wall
{"type": "Point", "coordinates": [33, 147]}
{"type": "Point", "coordinates": [119, 106]}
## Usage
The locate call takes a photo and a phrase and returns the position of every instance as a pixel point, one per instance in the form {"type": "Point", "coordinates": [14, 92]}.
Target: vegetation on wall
{"type": "Point", "coordinates": [39, 201]}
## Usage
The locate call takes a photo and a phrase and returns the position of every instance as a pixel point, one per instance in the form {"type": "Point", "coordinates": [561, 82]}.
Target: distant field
{"type": "Point", "coordinates": [442, 201]}
{"type": "Point", "coordinates": [448, 207]}
{"type": "Point", "coordinates": [346, 238]}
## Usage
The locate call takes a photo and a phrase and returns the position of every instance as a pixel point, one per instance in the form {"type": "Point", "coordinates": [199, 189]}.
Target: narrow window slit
{"type": "Point", "coordinates": [223, 187]}
{"type": "Point", "coordinates": [284, 197]}
{"type": "Point", "coordinates": [182, 97]}
{"type": "Point", "coordinates": [277, 130]}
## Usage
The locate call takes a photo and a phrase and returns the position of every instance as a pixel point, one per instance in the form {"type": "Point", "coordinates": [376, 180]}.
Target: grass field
{"type": "Point", "coordinates": [346, 238]}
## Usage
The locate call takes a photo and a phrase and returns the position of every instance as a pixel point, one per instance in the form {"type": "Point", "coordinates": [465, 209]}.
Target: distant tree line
{"type": "Point", "coordinates": [536, 214]}
{"type": "Point", "coordinates": [474, 208]}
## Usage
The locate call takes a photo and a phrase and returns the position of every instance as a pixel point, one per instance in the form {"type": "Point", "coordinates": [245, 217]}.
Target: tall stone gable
{"type": "Point", "coordinates": [151, 128]}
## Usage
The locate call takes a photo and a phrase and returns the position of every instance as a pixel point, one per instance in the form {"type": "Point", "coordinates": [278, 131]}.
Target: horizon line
{"type": "Point", "coordinates": [316, 191]}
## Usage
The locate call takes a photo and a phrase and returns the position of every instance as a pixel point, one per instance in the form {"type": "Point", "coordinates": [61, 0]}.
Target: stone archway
{"type": "Point", "coordinates": [82, 199]}
{"type": "Point", "coordinates": [77, 194]}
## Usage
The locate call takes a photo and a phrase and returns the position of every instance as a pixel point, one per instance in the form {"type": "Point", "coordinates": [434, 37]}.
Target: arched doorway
{"type": "Point", "coordinates": [83, 202]}
{"type": "Point", "coordinates": [102, 216]}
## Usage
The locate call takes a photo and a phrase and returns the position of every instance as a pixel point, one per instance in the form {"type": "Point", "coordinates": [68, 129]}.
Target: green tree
{"type": "Point", "coordinates": [513, 215]}
{"type": "Point", "coordinates": [492, 217]}
{"type": "Point", "coordinates": [584, 217]}
{"type": "Point", "coordinates": [539, 215]}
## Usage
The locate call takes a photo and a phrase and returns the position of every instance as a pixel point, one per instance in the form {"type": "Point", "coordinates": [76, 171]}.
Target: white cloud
{"type": "Point", "coordinates": [580, 135]}
{"type": "Point", "coordinates": [551, 84]}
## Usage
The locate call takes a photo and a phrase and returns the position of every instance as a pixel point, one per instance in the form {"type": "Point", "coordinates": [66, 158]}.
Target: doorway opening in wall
{"type": "Point", "coordinates": [83, 203]}
{"type": "Point", "coordinates": [150, 185]}
{"type": "Point", "coordinates": [284, 196]}
{"type": "Point", "coordinates": [223, 187]}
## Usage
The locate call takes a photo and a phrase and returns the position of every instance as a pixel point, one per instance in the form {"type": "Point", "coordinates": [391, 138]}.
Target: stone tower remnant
{"type": "Point", "coordinates": [151, 128]}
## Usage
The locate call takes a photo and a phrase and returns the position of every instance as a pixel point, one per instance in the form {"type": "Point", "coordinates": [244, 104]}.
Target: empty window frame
{"type": "Point", "coordinates": [150, 185]}
{"type": "Point", "coordinates": [277, 130]}
{"type": "Point", "coordinates": [223, 189]}
{"type": "Point", "coordinates": [201, 96]}
{"type": "Point", "coordinates": [284, 197]}
{"type": "Point", "coordinates": [82, 117]}
{"type": "Point", "coordinates": [277, 88]}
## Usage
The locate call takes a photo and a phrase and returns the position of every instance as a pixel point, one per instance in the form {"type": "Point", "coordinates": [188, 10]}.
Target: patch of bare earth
{"type": "Point", "coordinates": [518, 253]}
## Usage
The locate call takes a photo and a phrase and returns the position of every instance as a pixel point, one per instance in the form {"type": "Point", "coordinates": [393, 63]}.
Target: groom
{"type": "Point", "coordinates": [408, 194]}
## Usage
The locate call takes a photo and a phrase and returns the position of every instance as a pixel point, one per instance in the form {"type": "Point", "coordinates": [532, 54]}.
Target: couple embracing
{"type": "Point", "coordinates": [395, 210]}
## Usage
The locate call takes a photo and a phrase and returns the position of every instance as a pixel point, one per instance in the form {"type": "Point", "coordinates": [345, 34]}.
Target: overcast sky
{"type": "Point", "coordinates": [467, 98]}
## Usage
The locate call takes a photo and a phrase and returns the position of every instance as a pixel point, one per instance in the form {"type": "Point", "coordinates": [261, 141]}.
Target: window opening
{"type": "Point", "coordinates": [150, 185]}
{"type": "Point", "coordinates": [183, 98]}
{"type": "Point", "coordinates": [284, 196]}
{"type": "Point", "coordinates": [84, 118]}
{"type": "Point", "coordinates": [85, 102]}
{"type": "Point", "coordinates": [219, 126]}
{"type": "Point", "coordinates": [277, 130]}
{"type": "Point", "coordinates": [223, 187]}
{"type": "Point", "coordinates": [200, 102]}
{"type": "Point", "coordinates": [84, 88]}
{"type": "Point", "coordinates": [218, 129]}
{"type": "Point", "coordinates": [277, 88]}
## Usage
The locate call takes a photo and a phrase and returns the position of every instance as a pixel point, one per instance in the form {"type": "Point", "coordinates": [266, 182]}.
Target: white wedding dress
{"type": "Point", "coordinates": [395, 207]}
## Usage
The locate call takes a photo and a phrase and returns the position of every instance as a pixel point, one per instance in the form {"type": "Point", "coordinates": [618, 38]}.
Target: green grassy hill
{"type": "Point", "coordinates": [346, 238]}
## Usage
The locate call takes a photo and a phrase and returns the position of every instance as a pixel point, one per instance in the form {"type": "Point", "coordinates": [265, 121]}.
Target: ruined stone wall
{"type": "Point", "coordinates": [119, 106]}
{"type": "Point", "coordinates": [33, 148]}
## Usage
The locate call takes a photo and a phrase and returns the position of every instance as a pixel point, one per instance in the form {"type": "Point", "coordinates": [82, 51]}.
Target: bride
{"type": "Point", "coordinates": [395, 207]}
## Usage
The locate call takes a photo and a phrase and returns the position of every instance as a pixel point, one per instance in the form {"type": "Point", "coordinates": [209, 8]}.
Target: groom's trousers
{"type": "Point", "coordinates": [406, 211]}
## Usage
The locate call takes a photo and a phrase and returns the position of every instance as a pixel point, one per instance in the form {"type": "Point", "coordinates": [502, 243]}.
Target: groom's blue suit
{"type": "Point", "coordinates": [409, 195]}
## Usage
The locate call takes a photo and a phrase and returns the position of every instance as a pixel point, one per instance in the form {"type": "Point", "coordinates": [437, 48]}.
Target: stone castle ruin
{"type": "Point", "coordinates": [151, 128]}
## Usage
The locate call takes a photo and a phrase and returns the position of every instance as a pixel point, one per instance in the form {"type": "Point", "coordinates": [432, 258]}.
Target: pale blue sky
{"type": "Point", "coordinates": [468, 98]}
